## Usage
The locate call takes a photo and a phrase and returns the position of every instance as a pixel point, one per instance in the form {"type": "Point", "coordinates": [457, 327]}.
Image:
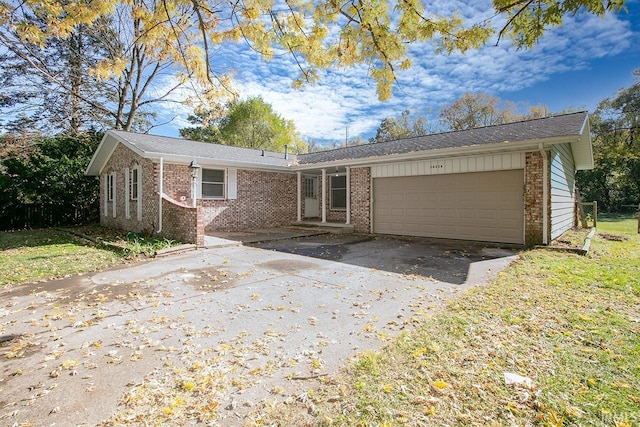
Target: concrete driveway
{"type": "Point", "coordinates": [220, 331]}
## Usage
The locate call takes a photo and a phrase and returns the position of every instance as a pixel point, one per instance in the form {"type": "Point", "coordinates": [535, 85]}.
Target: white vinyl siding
{"type": "Point", "coordinates": [562, 174]}
{"type": "Point", "coordinates": [490, 162]}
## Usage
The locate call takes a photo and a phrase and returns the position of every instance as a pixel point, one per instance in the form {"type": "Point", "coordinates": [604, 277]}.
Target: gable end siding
{"type": "Point", "coordinates": [562, 183]}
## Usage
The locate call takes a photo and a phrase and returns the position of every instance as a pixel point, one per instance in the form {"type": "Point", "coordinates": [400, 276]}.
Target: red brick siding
{"type": "Point", "coordinates": [533, 198]}
{"type": "Point", "coordinates": [177, 182]}
{"type": "Point", "coordinates": [181, 222]}
{"type": "Point", "coordinates": [361, 199]}
{"type": "Point", "coordinates": [179, 219]}
{"type": "Point", "coordinates": [121, 159]}
{"type": "Point", "coordinates": [265, 199]}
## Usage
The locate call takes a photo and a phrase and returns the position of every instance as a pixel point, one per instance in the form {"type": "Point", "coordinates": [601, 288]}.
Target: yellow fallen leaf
{"type": "Point", "coordinates": [419, 352]}
{"type": "Point", "coordinates": [68, 364]}
{"type": "Point", "coordinates": [441, 385]}
{"type": "Point", "coordinates": [387, 388]}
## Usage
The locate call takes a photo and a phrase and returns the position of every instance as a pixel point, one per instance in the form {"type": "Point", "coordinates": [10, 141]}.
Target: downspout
{"type": "Point", "coordinates": [160, 190]}
{"type": "Point", "coordinates": [545, 195]}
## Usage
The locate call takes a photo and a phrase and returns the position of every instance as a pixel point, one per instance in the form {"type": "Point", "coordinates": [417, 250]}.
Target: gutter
{"type": "Point", "coordinates": [160, 190]}
{"type": "Point", "coordinates": [545, 195]}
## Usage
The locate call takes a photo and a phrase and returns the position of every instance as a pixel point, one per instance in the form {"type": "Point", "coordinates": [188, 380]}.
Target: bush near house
{"type": "Point", "coordinates": [42, 183]}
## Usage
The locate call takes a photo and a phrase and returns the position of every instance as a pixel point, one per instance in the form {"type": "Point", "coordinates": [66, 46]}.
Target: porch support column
{"type": "Point", "coordinates": [299, 173]}
{"type": "Point", "coordinates": [348, 221]}
{"type": "Point", "coordinates": [324, 195]}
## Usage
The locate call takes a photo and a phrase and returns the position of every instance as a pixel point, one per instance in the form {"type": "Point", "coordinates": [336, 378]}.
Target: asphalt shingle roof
{"type": "Point", "coordinates": [163, 146]}
{"type": "Point", "coordinates": [566, 125]}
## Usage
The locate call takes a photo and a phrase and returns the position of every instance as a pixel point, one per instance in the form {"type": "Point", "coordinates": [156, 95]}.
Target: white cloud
{"type": "Point", "coordinates": [347, 98]}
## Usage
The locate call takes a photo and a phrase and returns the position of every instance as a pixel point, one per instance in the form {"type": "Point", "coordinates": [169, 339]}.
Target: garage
{"type": "Point", "coordinates": [483, 206]}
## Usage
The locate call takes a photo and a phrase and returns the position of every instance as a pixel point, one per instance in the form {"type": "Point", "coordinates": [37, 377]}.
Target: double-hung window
{"type": "Point", "coordinates": [339, 192]}
{"type": "Point", "coordinates": [213, 183]}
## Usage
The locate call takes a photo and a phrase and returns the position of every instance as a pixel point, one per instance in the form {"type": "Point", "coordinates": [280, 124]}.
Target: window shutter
{"type": "Point", "coordinates": [139, 201]}
{"type": "Point", "coordinates": [232, 183]}
{"type": "Point", "coordinates": [113, 174]}
{"type": "Point", "coordinates": [106, 194]}
{"type": "Point", "coordinates": [127, 186]}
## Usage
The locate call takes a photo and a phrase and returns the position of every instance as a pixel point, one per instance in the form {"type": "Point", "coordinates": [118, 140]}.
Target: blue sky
{"type": "Point", "coordinates": [573, 67]}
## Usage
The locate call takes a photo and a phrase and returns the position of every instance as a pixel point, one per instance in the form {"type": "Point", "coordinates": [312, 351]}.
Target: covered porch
{"type": "Point", "coordinates": [324, 197]}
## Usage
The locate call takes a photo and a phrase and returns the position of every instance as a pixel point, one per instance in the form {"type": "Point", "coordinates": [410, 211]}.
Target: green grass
{"type": "Point", "coordinates": [570, 323]}
{"type": "Point", "coordinates": [34, 255]}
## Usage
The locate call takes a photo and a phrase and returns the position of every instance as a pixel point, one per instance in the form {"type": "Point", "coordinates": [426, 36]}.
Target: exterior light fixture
{"type": "Point", "coordinates": [194, 166]}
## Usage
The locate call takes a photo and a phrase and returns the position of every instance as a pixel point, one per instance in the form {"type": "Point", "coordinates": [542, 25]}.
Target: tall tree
{"type": "Point", "coordinates": [206, 122]}
{"type": "Point", "coordinates": [181, 36]}
{"type": "Point", "coordinates": [615, 180]}
{"type": "Point", "coordinates": [248, 123]}
{"type": "Point", "coordinates": [401, 127]}
{"type": "Point", "coordinates": [109, 71]}
{"type": "Point", "coordinates": [474, 110]}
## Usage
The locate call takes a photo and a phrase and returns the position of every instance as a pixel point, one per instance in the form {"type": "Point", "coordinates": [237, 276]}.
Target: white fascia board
{"type": "Point", "coordinates": [105, 149]}
{"type": "Point", "coordinates": [501, 147]}
{"type": "Point", "coordinates": [582, 149]}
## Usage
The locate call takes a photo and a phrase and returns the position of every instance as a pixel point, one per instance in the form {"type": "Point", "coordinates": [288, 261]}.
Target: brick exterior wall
{"type": "Point", "coordinates": [533, 195]}
{"type": "Point", "coordinates": [121, 159]}
{"type": "Point", "coordinates": [265, 199]}
{"type": "Point", "coordinates": [180, 220]}
{"type": "Point", "coordinates": [177, 182]}
{"type": "Point", "coordinates": [361, 199]}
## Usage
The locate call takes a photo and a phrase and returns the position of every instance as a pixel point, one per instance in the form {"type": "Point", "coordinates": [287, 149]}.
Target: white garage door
{"type": "Point", "coordinates": [485, 206]}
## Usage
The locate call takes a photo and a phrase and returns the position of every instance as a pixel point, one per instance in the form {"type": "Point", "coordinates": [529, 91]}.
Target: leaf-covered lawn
{"type": "Point", "coordinates": [567, 326]}
{"type": "Point", "coordinates": [32, 255]}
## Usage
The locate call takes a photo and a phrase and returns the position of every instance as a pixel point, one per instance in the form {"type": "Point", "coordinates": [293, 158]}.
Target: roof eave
{"type": "Point", "coordinates": [208, 161]}
{"type": "Point", "coordinates": [504, 146]}
{"type": "Point", "coordinates": [582, 148]}
{"type": "Point", "coordinates": [104, 151]}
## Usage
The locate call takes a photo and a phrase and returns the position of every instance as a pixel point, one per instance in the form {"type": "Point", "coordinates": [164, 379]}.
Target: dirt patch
{"type": "Point", "coordinates": [612, 237]}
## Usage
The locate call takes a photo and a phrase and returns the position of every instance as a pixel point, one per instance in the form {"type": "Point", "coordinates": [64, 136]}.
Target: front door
{"type": "Point", "coordinates": [311, 197]}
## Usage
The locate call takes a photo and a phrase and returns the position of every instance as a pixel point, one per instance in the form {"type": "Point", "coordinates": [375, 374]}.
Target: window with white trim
{"type": "Point", "coordinates": [213, 183]}
{"type": "Point", "coordinates": [339, 192]}
{"type": "Point", "coordinates": [134, 183]}
{"type": "Point", "coordinates": [111, 187]}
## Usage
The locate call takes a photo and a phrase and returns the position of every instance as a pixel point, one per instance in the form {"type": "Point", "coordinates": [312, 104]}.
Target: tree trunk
{"type": "Point", "coordinates": [75, 79]}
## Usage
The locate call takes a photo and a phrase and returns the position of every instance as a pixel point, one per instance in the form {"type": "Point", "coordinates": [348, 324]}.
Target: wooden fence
{"type": "Point", "coordinates": [46, 215]}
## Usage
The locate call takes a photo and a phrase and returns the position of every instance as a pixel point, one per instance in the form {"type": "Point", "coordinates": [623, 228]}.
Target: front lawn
{"type": "Point", "coordinates": [41, 254]}
{"type": "Point", "coordinates": [564, 327]}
